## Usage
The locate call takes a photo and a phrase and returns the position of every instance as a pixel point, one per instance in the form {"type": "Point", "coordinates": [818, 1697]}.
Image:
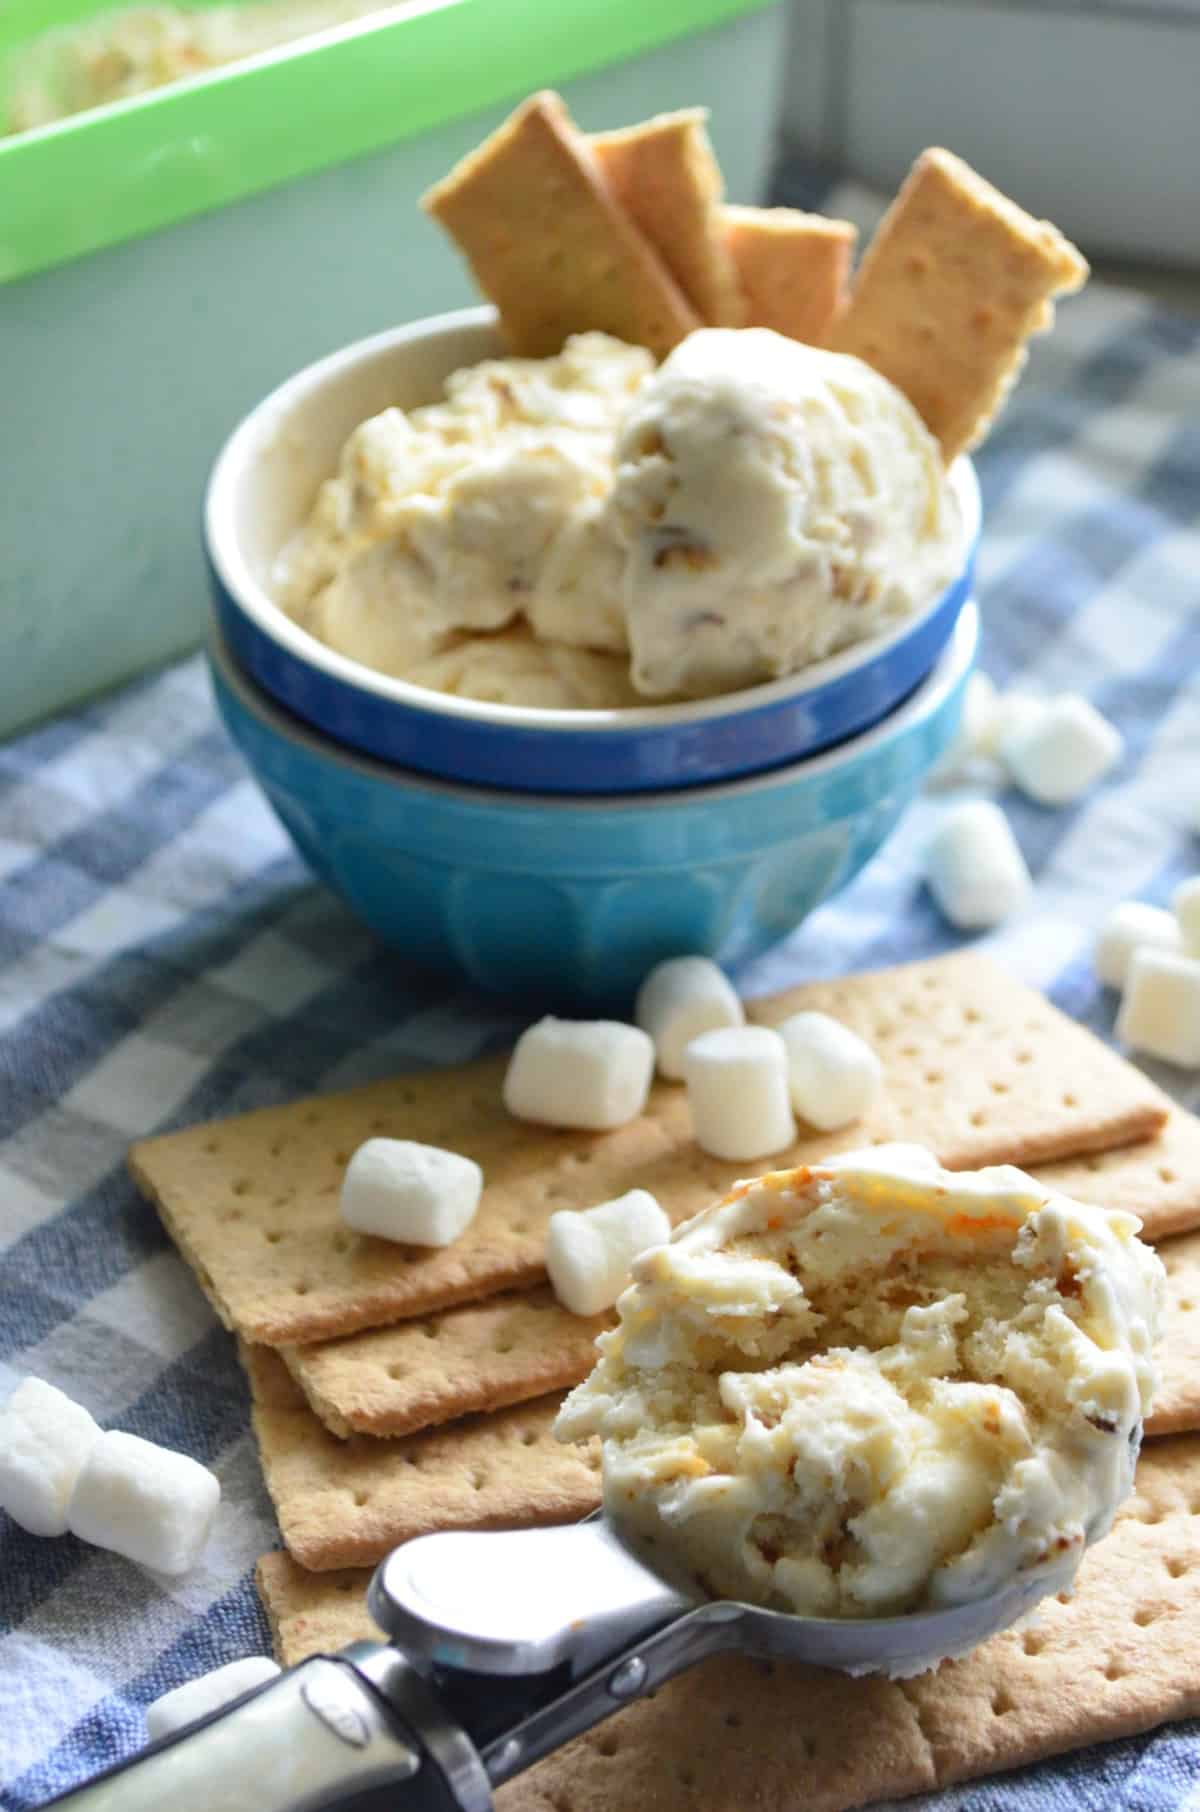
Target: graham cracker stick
{"type": "Point", "coordinates": [549, 243]}
{"type": "Point", "coordinates": [732, 1734]}
{"type": "Point", "coordinates": [665, 175]}
{"type": "Point", "coordinates": [976, 1066]}
{"type": "Point", "coordinates": [348, 1503]}
{"type": "Point", "coordinates": [793, 268]}
{"type": "Point", "coordinates": [424, 1372]}
{"type": "Point", "coordinates": [955, 280]}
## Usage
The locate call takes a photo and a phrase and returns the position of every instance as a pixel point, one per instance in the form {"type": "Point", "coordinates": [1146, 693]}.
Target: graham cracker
{"type": "Point", "coordinates": [976, 1066]}
{"type": "Point", "coordinates": [419, 1373]}
{"type": "Point", "coordinates": [665, 175]}
{"type": "Point", "coordinates": [955, 280]}
{"type": "Point", "coordinates": [793, 268]}
{"type": "Point", "coordinates": [550, 244]}
{"type": "Point", "coordinates": [1158, 1181]}
{"type": "Point", "coordinates": [313, 1613]}
{"type": "Point", "coordinates": [348, 1503]}
{"type": "Point", "coordinates": [1177, 1399]}
{"type": "Point", "coordinates": [1117, 1658]}
{"type": "Point", "coordinates": [393, 1380]}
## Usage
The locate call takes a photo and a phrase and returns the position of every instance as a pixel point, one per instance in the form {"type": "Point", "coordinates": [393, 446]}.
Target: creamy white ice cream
{"type": "Point", "coordinates": [778, 503]}
{"type": "Point", "coordinates": [513, 667]}
{"type": "Point", "coordinates": [752, 506]}
{"type": "Point", "coordinates": [134, 49]}
{"type": "Point", "coordinates": [876, 1386]}
{"type": "Point", "coordinates": [468, 514]}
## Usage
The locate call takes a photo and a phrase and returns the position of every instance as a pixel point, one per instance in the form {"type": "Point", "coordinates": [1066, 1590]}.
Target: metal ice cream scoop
{"type": "Point", "coordinates": [500, 1648]}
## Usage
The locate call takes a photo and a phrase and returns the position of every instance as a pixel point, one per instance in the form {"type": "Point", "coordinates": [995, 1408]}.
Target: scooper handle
{"type": "Point", "coordinates": [361, 1729]}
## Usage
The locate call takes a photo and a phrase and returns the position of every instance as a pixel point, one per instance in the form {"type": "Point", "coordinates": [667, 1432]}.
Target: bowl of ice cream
{"type": "Point", "coordinates": [584, 575]}
{"type": "Point", "coordinates": [572, 900]}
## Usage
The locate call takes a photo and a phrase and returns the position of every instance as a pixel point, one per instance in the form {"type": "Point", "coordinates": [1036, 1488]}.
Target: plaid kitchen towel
{"type": "Point", "coordinates": [163, 958]}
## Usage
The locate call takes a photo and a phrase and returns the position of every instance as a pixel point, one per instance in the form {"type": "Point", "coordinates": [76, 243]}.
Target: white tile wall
{"type": "Point", "coordinates": [1085, 110]}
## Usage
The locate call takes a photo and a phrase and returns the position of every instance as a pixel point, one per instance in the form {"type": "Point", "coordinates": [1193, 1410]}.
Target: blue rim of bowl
{"type": "Point", "coordinates": [947, 675]}
{"type": "Point", "coordinates": [515, 747]}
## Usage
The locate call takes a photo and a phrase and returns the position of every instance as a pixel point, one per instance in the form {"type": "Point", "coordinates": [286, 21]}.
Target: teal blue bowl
{"type": "Point", "coordinates": [571, 900]}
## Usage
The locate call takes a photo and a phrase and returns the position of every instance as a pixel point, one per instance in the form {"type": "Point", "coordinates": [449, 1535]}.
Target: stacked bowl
{"type": "Point", "coordinates": [552, 853]}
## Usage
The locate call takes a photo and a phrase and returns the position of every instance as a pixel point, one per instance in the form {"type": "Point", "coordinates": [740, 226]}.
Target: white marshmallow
{"type": "Point", "coordinates": [1062, 751]}
{"type": "Point", "coordinates": [737, 1084]}
{"type": "Point", "coordinates": [833, 1074]}
{"type": "Point", "coordinates": [588, 1254]}
{"type": "Point", "coordinates": [416, 1194]}
{"type": "Point", "coordinates": [1185, 903]}
{"type": "Point", "coordinates": [1160, 1011]}
{"type": "Point", "coordinates": [1133, 926]}
{"type": "Point", "coordinates": [1011, 711]}
{"type": "Point", "coordinates": [678, 1000]}
{"type": "Point", "coordinates": [974, 734]}
{"type": "Point", "coordinates": [145, 1502]}
{"type": "Point", "coordinates": [208, 1692]}
{"type": "Point", "coordinates": [45, 1438]}
{"type": "Point", "coordinates": [590, 1073]}
{"type": "Point", "coordinates": [974, 867]}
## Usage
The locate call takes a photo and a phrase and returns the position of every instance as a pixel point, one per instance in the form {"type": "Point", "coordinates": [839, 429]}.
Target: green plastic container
{"type": "Point", "coordinates": [167, 260]}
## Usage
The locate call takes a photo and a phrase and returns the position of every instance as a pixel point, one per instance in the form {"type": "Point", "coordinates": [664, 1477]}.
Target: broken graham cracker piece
{"type": "Point", "coordinates": [549, 243]}
{"type": "Point", "coordinates": [665, 175]}
{"type": "Point", "coordinates": [348, 1503]}
{"type": "Point", "coordinates": [1116, 1659]}
{"type": "Point", "coordinates": [793, 268]}
{"type": "Point", "coordinates": [392, 1380]}
{"type": "Point", "coordinates": [1158, 1181]}
{"type": "Point", "coordinates": [420, 1373]}
{"type": "Point", "coordinates": [955, 280]}
{"type": "Point", "coordinates": [976, 1066]}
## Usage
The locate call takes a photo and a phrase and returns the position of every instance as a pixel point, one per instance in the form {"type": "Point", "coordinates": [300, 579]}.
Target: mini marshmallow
{"type": "Point", "coordinates": [737, 1084]}
{"type": "Point", "coordinates": [833, 1074]}
{"type": "Point", "coordinates": [1185, 904]}
{"type": "Point", "coordinates": [45, 1438]}
{"type": "Point", "coordinates": [416, 1194]}
{"type": "Point", "coordinates": [1160, 1011]}
{"type": "Point", "coordinates": [1129, 927]}
{"type": "Point", "coordinates": [144, 1501]}
{"type": "Point", "coordinates": [588, 1254]}
{"type": "Point", "coordinates": [974, 867]}
{"type": "Point", "coordinates": [195, 1699]}
{"type": "Point", "coordinates": [678, 1000]}
{"type": "Point", "coordinates": [973, 739]}
{"type": "Point", "coordinates": [590, 1073]}
{"type": "Point", "coordinates": [1062, 751]}
{"type": "Point", "coordinates": [1011, 711]}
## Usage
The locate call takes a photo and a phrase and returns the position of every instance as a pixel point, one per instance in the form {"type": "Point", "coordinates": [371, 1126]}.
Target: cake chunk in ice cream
{"type": "Point", "coordinates": [875, 1386]}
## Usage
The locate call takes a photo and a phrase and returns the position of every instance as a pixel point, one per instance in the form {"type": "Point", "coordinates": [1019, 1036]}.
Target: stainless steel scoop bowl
{"type": "Point", "coordinates": [501, 1647]}
{"type": "Point", "coordinates": [528, 1603]}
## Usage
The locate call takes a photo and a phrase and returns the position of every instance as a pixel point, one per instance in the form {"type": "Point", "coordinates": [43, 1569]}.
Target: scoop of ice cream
{"type": "Point", "coordinates": [514, 668]}
{"type": "Point", "coordinates": [876, 1386]}
{"type": "Point", "coordinates": [778, 503]}
{"type": "Point", "coordinates": [469, 513]}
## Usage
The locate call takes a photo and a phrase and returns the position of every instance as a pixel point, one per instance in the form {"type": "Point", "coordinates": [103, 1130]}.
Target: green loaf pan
{"type": "Point", "coordinates": [166, 261]}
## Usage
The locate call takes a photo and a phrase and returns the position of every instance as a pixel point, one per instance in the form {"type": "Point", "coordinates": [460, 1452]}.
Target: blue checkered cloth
{"type": "Point", "coordinates": [164, 958]}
